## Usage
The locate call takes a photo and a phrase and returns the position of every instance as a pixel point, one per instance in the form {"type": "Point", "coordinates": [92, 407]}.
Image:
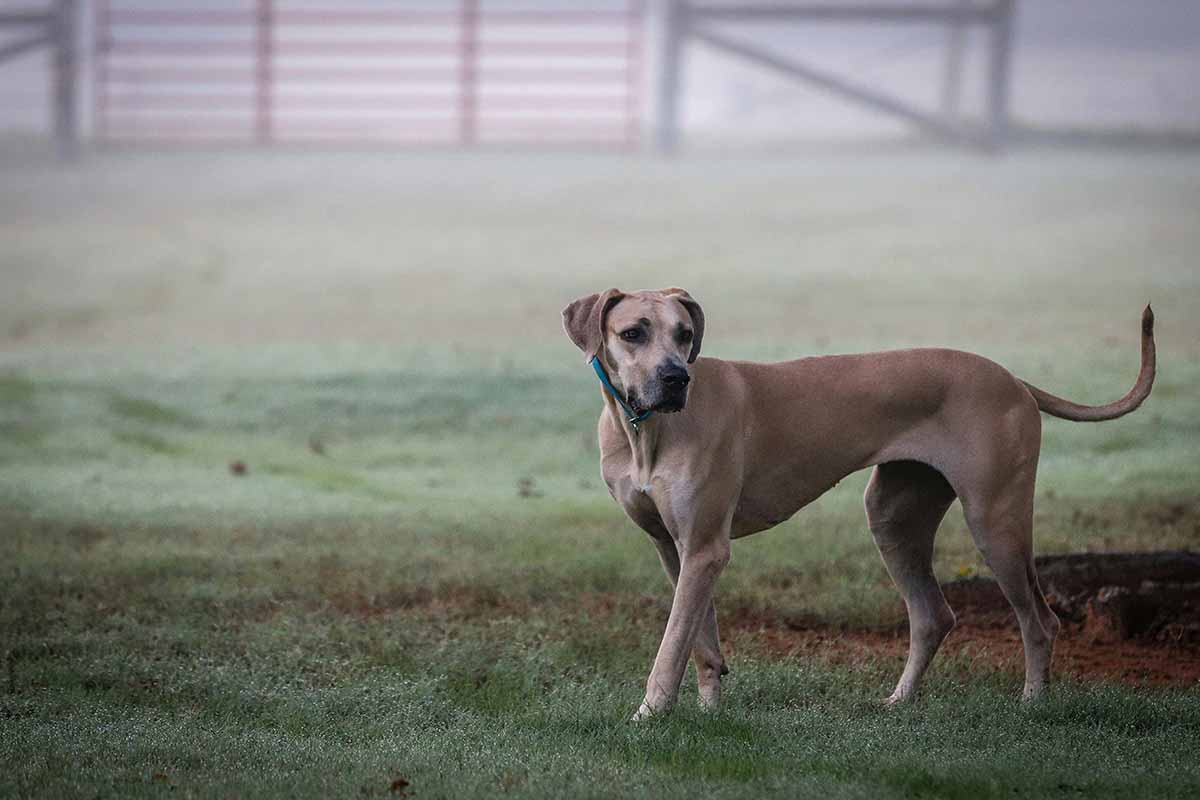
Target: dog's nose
{"type": "Point", "coordinates": [674, 377]}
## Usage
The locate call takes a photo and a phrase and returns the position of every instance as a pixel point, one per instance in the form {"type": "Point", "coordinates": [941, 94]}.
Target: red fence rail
{"type": "Point", "coordinates": [461, 73]}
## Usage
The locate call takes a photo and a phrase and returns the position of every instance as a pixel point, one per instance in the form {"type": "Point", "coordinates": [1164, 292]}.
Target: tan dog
{"type": "Point", "coordinates": [730, 448]}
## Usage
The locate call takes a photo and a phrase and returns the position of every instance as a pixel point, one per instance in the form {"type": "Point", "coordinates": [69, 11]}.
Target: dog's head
{"type": "Point", "coordinates": [645, 340]}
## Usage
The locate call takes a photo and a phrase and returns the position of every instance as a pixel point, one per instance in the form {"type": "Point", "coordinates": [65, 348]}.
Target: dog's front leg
{"type": "Point", "coordinates": [706, 652]}
{"type": "Point", "coordinates": [698, 572]}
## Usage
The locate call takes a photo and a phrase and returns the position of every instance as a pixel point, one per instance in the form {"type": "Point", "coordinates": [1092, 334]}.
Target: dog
{"type": "Point", "coordinates": [701, 451]}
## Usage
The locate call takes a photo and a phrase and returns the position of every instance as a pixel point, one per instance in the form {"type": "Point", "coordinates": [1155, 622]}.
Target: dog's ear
{"type": "Point", "coordinates": [697, 315]}
{"type": "Point", "coordinates": [583, 320]}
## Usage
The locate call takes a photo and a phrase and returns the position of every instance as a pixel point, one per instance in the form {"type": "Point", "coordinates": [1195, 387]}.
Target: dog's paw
{"type": "Point", "coordinates": [643, 713]}
{"type": "Point", "coordinates": [1033, 695]}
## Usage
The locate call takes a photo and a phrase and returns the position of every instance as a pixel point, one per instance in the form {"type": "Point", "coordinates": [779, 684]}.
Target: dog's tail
{"type": "Point", "coordinates": [1065, 409]}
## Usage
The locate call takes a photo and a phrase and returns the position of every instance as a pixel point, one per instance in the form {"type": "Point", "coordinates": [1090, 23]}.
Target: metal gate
{"type": "Point", "coordinates": [463, 73]}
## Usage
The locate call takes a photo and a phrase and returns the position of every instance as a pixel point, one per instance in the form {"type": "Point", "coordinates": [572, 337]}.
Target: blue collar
{"type": "Point", "coordinates": [633, 418]}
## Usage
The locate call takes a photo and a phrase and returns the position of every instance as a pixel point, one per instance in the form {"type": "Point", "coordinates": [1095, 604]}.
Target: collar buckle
{"type": "Point", "coordinates": [633, 419]}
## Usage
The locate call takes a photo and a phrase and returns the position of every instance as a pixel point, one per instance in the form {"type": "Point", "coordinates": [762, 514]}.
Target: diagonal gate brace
{"type": "Point", "coordinates": [930, 123]}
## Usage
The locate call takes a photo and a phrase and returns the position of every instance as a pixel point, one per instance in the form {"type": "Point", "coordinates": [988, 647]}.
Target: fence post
{"type": "Point", "coordinates": [263, 74]}
{"type": "Point", "coordinates": [66, 114]}
{"type": "Point", "coordinates": [634, 28]}
{"type": "Point", "coordinates": [100, 35]}
{"type": "Point", "coordinates": [674, 18]}
{"type": "Point", "coordinates": [956, 45]}
{"type": "Point", "coordinates": [998, 72]}
{"type": "Point", "coordinates": [468, 73]}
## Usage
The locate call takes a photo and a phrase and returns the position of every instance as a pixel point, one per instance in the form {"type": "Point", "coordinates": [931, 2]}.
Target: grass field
{"type": "Point", "coordinates": [420, 585]}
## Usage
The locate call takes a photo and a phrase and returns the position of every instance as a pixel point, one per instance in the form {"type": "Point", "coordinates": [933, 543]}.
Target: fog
{"type": "Point", "coordinates": [1105, 64]}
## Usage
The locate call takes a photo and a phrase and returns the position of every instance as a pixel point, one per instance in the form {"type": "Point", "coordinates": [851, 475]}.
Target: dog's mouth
{"type": "Point", "coordinates": [669, 402]}
{"type": "Point", "coordinates": [671, 405]}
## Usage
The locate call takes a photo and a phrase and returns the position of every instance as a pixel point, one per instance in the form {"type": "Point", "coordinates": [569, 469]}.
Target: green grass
{"type": "Point", "coordinates": [217, 678]}
{"type": "Point", "coordinates": [382, 597]}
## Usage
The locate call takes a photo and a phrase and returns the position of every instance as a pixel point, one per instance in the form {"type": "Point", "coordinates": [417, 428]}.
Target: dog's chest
{"type": "Point", "coordinates": [634, 496]}
{"type": "Point", "coordinates": [626, 487]}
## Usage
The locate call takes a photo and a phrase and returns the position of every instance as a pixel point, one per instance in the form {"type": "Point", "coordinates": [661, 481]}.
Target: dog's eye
{"type": "Point", "coordinates": [632, 335]}
{"type": "Point", "coordinates": [684, 336]}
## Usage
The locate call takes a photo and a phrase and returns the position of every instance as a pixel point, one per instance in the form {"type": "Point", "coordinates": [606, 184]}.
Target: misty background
{"type": "Point", "coordinates": [1107, 64]}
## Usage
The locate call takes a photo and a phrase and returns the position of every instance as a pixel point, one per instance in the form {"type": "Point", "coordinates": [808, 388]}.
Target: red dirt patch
{"type": "Point", "coordinates": [1131, 618]}
{"type": "Point", "coordinates": [985, 635]}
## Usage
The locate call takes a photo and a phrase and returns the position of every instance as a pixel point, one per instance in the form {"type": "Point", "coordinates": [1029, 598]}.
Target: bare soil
{"type": "Point", "coordinates": [988, 634]}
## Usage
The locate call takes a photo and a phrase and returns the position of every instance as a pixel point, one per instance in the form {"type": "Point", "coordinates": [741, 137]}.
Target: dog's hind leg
{"type": "Point", "coordinates": [905, 502]}
{"type": "Point", "coordinates": [1002, 525]}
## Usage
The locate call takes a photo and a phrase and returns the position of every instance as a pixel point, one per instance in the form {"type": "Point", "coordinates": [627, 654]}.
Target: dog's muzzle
{"type": "Point", "coordinates": [673, 383]}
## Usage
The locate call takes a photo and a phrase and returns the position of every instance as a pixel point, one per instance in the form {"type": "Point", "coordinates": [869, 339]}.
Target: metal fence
{"type": "Point", "coordinates": [471, 72]}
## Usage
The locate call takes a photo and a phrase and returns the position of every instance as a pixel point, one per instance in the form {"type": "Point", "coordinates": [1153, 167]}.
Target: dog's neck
{"type": "Point", "coordinates": [643, 440]}
{"type": "Point", "coordinates": [642, 436]}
